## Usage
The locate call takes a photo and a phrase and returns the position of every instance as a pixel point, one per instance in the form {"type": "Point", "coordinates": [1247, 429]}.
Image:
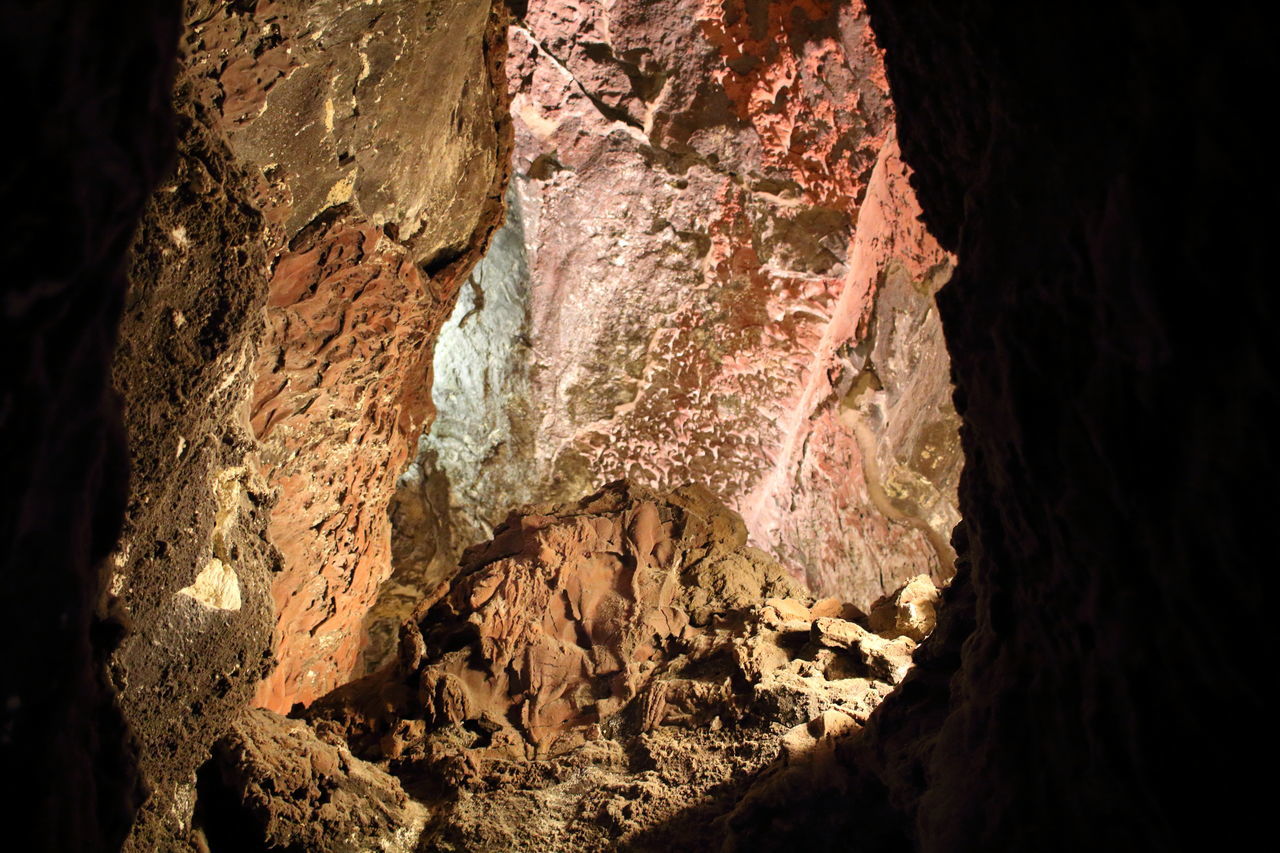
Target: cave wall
{"type": "Point", "coordinates": [713, 272]}
{"type": "Point", "coordinates": [340, 166]}
{"type": "Point", "coordinates": [1096, 676]}
{"type": "Point", "coordinates": [1095, 680]}
{"type": "Point", "coordinates": [92, 87]}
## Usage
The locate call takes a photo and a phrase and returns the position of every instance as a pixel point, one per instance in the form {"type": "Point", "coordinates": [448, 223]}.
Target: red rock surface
{"type": "Point", "coordinates": [338, 404]}
{"type": "Point", "coordinates": [379, 210]}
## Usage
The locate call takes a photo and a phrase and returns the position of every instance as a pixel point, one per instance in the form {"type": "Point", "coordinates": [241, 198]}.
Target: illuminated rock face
{"type": "Point", "coordinates": [287, 283]}
{"type": "Point", "coordinates": [383, 204]}
{"type": "Point", "coordinates": [369, 211]}
{"type": "Point", "coordinates": [713, 273]}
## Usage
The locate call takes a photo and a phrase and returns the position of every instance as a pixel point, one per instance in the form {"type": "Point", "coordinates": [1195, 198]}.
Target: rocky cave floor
{"type": "Point", "coordinates": [615, 673]}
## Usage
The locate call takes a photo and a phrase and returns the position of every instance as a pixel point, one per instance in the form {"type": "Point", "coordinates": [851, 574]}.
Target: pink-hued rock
{"type": "Point", "coordinates": [715, 274]}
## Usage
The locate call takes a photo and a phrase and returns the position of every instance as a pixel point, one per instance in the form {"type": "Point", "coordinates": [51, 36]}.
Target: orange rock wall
{"type": "Point", "coordinates": [357, 296]}
{"type": "Point", "coordinates": [337, 405]}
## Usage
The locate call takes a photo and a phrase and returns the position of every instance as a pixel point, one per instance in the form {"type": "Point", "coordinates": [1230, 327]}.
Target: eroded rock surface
{"type": "Point", "coordinates": [379, 131]}
{"type": "Point", "coordinates": [712, 245]}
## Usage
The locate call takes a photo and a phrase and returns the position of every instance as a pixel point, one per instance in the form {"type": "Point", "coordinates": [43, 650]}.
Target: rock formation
{"type": "Point", "coordinates": [287, 283]}
{"type": "Point", "coordinates": [332, 800]}
{"type": "Point", "coordinates": [604, 674]}
{"type": "Point", "coordinates": [711, 244]}
{"type": "Point", "coordinates": [1095, 677]}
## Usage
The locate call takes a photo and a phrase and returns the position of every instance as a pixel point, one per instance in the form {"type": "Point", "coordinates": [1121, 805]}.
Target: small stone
{"type": "Point", "coordinates": [786, 615]}
{"type": "Point", "coordinates": [837, 609]}
{"type": "Point", "coordinates": [818, 733]}
{"type": "Point", "coordinates": [837, 633]}
{"type": "Point", "coordinates": [909, 611]}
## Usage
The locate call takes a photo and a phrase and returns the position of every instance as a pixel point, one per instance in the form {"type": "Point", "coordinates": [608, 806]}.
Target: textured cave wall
{"type": "Point", "coordinates": [340, 166]}
{"type": "Point", "coordinates": [355, 301]}
{"type": "Point", "coordinates": [1097, 675]}
{"type": "Point", "coordinates": [92, 89]}
{"type": "Point", "coordinates": [713, 272]}
{"type": "Point", "coordinates": [192, 573]}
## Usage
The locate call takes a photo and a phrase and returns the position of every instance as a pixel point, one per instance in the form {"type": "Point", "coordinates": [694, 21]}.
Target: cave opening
{"type": "Point", "coordinates": [662, 268]}
{"type": "Point", "coordinates": [685, 495]}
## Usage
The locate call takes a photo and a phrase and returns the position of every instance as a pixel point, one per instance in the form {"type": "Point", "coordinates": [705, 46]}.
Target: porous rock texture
{"type": "Point", "coordinates": [333, 803]}
{"type": "Point", "coordinates": [605, 674]}
{"type": "Point", "coordinates": [1080, 168]}
{"type": "Point", "coordinates": [92, 86]}
{"type": "Point", "coordinates": [711, 245]}
{"type": "Point", "coordinates": [287, 281]}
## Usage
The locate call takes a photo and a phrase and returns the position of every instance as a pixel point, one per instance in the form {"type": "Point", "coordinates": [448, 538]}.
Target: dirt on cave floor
{"type": "Point", "coordinates": [615, 673]}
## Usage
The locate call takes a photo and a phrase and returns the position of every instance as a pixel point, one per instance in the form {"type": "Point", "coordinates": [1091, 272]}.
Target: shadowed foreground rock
{"type": "Point", "coordinates": [335, 802]}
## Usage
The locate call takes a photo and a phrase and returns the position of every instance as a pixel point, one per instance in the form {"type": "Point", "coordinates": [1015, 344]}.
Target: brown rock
{"type": "Point", "coordinates": [260, 451]}
{"type": "Point", "coordinates": [560, 621]}
{"type": "Point", "coordinates": [786, 615]}
{"type": "Point", "coordinates": [275, 781]}
{"type": "Point", "coordinates": [819, 733]}
{"type": "Point", "coordinates": [887, 659]}
{"type": "Point", "coordinates": [910, 611]}
{"type": "Point", "coordinates": [837, 633]}
{"type": "Point", "coordinates": [835, 608]}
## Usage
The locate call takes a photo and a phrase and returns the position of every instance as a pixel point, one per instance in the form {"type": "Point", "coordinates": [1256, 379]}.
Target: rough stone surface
{"type": "Point", "coordinates": [335, 802]}
{"type": "Point", "coordinates": [192, 574]}
{"type": "Point", "coordinates": [286, 284]}
{"type": "Point", "coordinates": [911, 611]}
{"type": "Point", "coordinates": [712, 244]}
{"type": "Point", "coordinates": [380, 133]}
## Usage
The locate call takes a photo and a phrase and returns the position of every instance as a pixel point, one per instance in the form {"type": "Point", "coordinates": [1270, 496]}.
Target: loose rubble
{"type": "Point", "coordinates": [612, 674]}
